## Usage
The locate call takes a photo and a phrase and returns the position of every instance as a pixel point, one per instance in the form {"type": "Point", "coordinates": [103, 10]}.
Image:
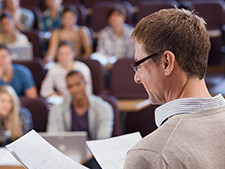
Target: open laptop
{"type": "Point", "coordinates": [21, 52]}
{"type": "Point", "coordinates": [72, 144]}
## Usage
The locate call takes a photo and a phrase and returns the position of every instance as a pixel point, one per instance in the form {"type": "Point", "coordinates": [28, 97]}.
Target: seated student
{"type": "Point", "coordinates": [81, 112]}
{"type": "Point", "coordinates": [114, 40]}
{"type": "Point", "coordinates": [54, 82]}
{"type": "Point", "coordinates": [18, 76]}
{"type": "Point", "coordinates": [23, 18]}
{"type": "Point", "coordinates": [51, 17]}
{"type": "Point", "coordinates": [8, 34]}
{"type": "Point", "coordinates": [14, 121]}
{"type": "Point", "coordinates": [72, 32]}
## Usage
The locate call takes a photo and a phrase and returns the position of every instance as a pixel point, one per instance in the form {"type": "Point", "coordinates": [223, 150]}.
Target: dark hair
{"type": "Point", "coordinates": [66, 43]}
{"type": "Point", "coordinates": [5, 15]}
{"type": "Point", "coordinates": [73, 72]}
{"type": "Point", "coordinates": [186, 5]}
{"type": "Point", "coordinates": [119, 8]}
{"type": "Point", "coordinates": [179, 31]}
{"type": "Point", "coordinates": [3, 46]}
{"type": "Point", "coordinates": [72, 9]}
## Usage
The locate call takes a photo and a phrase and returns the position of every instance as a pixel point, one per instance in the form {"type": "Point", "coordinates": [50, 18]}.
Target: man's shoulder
{"type": "Point", "coordinates": [63, 107]}
{"type": "Point", "coordinates": [147, 153]}
{"type": "Point", "coordinates": [156, 141]}
{"type": "Point", "coordinates": [20, 69]}
{"type": "Point", "coordinates": [78, 64]}
{"type": "Point", "coordinates": [95, 99]}
{"type": "Point", "coordinates": [98, 102]}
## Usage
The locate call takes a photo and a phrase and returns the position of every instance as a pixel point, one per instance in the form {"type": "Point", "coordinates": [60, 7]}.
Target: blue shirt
{"type": "Point", "coordinates": [21, 81]}
{"type": "Point", "coordinates": [47, 23]}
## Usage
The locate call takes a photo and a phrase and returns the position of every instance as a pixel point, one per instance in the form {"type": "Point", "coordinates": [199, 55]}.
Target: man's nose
{"type": "Point", "coordinates": [137, 78]}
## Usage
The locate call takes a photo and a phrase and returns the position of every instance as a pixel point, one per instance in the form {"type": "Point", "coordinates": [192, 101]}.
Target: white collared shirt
{"type": "Point", "coordinates": [185, 106]}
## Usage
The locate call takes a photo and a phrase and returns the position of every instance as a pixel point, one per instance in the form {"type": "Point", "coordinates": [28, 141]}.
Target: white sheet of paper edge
{"type": "Point", "coordinates": [34, 152]}
{"type": "Point", "coordinates": [7, 158]}
{"type": "Point", "coordinates": [111, 153]}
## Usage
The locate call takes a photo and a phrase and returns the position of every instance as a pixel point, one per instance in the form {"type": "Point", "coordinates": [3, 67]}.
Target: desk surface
{"type": "Point", "coordinates": [133, 105]}
{"type": "Point", "coordinates": [12, 167]}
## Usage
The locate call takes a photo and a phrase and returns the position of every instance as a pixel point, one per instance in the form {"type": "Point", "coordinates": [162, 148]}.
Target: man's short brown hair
{"type": "Point", "coordinates": [179, 31]}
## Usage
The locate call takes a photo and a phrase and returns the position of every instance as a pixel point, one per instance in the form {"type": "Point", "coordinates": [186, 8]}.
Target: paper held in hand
{"type": "Point", "coordinates": [111, 153]}
{"type": "Point", "coordinates": [34, 152]}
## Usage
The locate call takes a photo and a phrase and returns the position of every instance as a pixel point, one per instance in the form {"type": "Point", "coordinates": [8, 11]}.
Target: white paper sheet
{"type": "Point", "coordinates": [111, 153]}
{"type": "Point", "coordinates": [7, 158]}
{"type": "Point", "coordinates": [36, 153]}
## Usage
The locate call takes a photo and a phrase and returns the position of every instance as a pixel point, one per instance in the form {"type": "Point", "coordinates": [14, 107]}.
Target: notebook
{"type": "Point", "coordinates": [21, 52]}
{"type": "Point", "coordinates": [71, 144]}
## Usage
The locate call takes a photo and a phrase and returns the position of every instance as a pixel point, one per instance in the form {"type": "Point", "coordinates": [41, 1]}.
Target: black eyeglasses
{"type": "Point", "coordinates": [136, 66]}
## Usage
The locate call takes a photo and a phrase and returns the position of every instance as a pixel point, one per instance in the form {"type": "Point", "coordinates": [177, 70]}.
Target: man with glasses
{"type": "Point", "coordinates": [171, 53]}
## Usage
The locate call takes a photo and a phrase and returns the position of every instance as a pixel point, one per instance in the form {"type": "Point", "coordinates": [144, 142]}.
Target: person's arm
{"type": "Point", "coordinates": [56, 119]}
{"type": "Point", "coordinates": [52, 48]}
{"type": "Point", "coordinates": [85, 43]}
{"type": "Point", "coordinates": [130, 42]}
{"type": "Point", "coordinates": [142, 158]}
{"type": "Point", "coordinates": [105, 120]}
{"type": "Point", "coordinates": [26, 119]}
{"type": "Point", "coordinates": [27, 19]}
{"type": "Point", "coordinates": [102, 42]}
{"type": "Point", "coordinates": [27, 81]}
{"type": "Point", "coordinates": [31, 92]}
{"type": "Point", "coordinates": [47, 86]}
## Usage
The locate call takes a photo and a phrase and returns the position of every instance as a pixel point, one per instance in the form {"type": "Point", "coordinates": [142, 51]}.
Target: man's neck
{"type": "Point", "coordinates": [118, 30]}
{"type": "Point", "coordinates": [192, 87]}
{"type": "Point", "coordinates": [81, 106]}
{"type": "Point", "coordinates": [54, 11]}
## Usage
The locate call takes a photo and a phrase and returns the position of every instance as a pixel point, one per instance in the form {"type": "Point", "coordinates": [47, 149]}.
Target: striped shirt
{"type": "Point", "coordinates": [185, 106]}
{"type": "Point", "coordinates": [109, 44]}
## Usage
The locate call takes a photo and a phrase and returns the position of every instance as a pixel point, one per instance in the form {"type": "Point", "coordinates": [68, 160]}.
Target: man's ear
{"type": "Point", "coordinates": [168, 62]}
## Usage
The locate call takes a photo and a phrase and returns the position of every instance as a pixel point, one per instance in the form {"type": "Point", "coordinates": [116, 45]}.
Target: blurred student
{"type": "Point", "coordinates": [51, 17]}
{"type": "Point", "coordinates": [70, 31]}
{"type": "Point", "coordinates": [14, 121]}
{"type": "Point", "coordinates": [23, 18]}
{"type": "Point", "coordinates": [9, 35]}
{"type": "Point", "coordinates": [114, 40]}
{"type": "Point", "coordinates": [81, 112]}
{"type": "Point", "coordinates": [18, 76]}
{"type": "Point", "coordinates": [55, 80]}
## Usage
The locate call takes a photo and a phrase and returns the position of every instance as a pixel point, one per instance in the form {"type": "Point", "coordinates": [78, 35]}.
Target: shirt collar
{"type": "Point", "coordinates": [185, 106]}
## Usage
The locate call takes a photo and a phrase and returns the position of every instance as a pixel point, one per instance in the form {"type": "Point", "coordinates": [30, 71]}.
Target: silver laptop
{"type": "Point", "coordinates": [72, 144]}
{"type": "Point", "coordinates": [23, 52]}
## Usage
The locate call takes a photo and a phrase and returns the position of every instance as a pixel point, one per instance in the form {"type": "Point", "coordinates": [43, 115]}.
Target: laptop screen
{"type": "Point", "coordinates": [23, 52]}
{"type": "Point", "coordinates": [72, 144]}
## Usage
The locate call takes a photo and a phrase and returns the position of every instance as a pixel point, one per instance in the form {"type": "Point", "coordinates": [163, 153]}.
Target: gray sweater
{"type": "Point", "coordinates": [185, 141]}
{"type": "Point", "coordinates": [100, 117]}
